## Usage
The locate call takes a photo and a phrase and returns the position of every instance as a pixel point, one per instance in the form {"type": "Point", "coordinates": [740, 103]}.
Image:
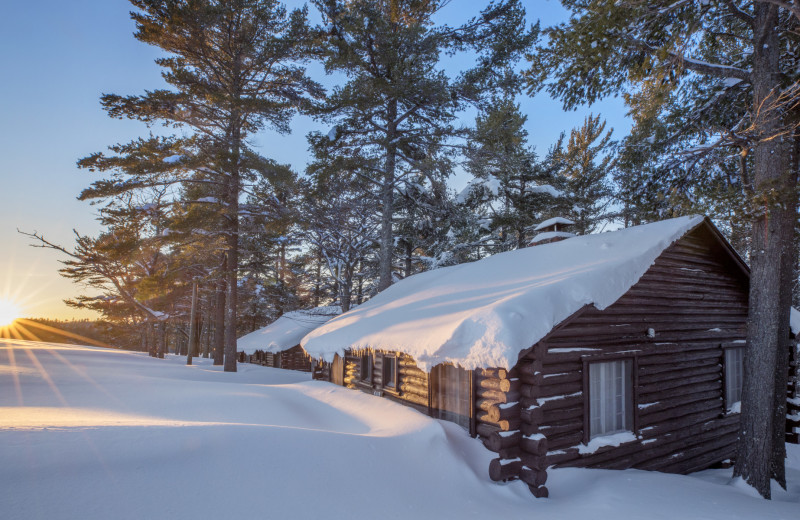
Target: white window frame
{"type": "Point", "coordinates": [611, 402]}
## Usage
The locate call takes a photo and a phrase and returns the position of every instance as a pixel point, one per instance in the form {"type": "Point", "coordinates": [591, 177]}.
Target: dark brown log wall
{"type": "Point", "coordinates": [673, 325]}
{"type": "Point", "coordinates": [412, 382]}
{"type": "Point", "coordinates": [294, 358]}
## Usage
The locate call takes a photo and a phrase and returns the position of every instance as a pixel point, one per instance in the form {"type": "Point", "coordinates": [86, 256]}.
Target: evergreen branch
{"type": "Point", "coordinates": [711, 69]}
{"type": "Point", "coordinates": [736, 11]}
{"type": "Point", "coordinates": [98, 270]}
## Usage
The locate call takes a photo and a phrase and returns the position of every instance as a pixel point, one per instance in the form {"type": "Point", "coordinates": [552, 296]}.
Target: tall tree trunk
{"type": "Point", "coordinates": [143, 343]}
{"type": "Point", "coordinates": [232, 286]}
{"type": "Point", "coordinates": [408, 266]}
{"type": "Point", "coordinates": [318, 279]}
{"type": "Point", "coordinates": [161, 338]}
{"type": "Point", "coordinates": [151, 339]}
{"type": "Point", "coordinates": [346, 288]}
{"type": "Point", "coordinates": [219, 318]}
{"type": "Point", "coordinates": [192, 326]}
{"type": "Point", "coordinates": [360, 289]}
{"type": "Point", "coordinates": [789, 219]}
{"type": "Point", "coordinates": [198, 326]}
{"type": "Point", "coordinates": [387, 200]}
{"type": "Point", "coordinates": [282, 265]}
{"type": "Point", "coordinates": [233, 245]}
{"type": "Point", "coordinates": [208, 322]}
{"type": "Point", "coordinates": [768, 320]}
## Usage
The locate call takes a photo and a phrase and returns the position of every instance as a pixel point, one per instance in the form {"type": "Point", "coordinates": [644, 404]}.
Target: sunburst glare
{"type": "Point", "coordinates": [9, 311]}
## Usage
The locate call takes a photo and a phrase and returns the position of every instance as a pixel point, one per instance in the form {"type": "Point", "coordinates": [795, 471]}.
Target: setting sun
{"type": "Point", "coordinates": [9, 311]}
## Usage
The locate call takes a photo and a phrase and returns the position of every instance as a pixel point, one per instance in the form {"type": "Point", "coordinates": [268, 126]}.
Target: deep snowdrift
{"type": "Point", "coordinates": [481, 314]}
{"type": "Point", "coordinates": [88, 433]}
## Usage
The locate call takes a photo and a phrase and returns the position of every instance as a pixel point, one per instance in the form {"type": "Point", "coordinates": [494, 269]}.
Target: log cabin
{"type": "Point", "coordinates": [278, 344]}
{"type": "Point", "coordinates": [616, 350]}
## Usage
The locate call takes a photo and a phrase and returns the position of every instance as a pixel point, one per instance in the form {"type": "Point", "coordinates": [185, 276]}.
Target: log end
{"type": "Point", "coordinates": [500, 472]}
{"type": "Point", "coordinates": [539, 492]}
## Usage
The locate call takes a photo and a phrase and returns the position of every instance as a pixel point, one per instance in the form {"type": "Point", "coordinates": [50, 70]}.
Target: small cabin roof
{"type": "Point", "coordinates": [547, 235]}
{"type": "Point", "coordinates": [552, 221]}
{"type": "Point", "coordinates": [287, 331]}
{"type": "Point", "coordinates": [482, 314]}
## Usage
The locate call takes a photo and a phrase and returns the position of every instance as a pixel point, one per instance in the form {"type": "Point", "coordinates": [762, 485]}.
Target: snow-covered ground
{"type": "Point", "coordinates": [102, 434]}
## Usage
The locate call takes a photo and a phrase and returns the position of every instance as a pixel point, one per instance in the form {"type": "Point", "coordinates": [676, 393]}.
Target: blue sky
{"type": "Point", "coordinates": [59, 57]}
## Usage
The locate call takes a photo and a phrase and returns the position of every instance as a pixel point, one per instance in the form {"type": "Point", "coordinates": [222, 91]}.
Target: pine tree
{"type": "Point", "coordinates": [232, 68]}
{"type": "Point", "coordinates": [587, 164]}
{"type": "Point", "coordinates": [515, 190]}
{"type": "Point", "coordinates": [398, 107]}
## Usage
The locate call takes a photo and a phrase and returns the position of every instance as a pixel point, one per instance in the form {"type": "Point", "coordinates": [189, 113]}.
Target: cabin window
{"type": "Point", "coordinates": [366, 368]}
{"type": "Point", "coordinates": [390, 372]}
{"type": "Point", "coordinates": [610, 397]}
{"type": "Point", "coordinates": [734, 375]}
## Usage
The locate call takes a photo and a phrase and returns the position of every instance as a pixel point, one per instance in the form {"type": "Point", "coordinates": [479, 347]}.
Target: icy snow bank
{"type": "Point", "coordinates": [286, 331]}
{"type": "Point", "coordinates": [483, 313]}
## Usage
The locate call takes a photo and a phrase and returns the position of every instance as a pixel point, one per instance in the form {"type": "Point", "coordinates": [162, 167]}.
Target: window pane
{"type": "Point", "coordinates": [366, 367]}
{"type": "Point", "coordinates": [389, 371]}
{"type": "Point", "coordinates": [734, 375]}
{"type": "Point", "coordinates": [610, 397]}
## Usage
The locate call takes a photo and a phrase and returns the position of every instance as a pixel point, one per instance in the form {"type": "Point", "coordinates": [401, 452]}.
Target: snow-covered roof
{"type": "Point", "coordinates": [482, 314]}
{"type": "Point", "coordinates": [547, 235]}
{"type": "Point", "coordinates": [286, 331]}
{"type": "Point", "coordinates": [555, 220]}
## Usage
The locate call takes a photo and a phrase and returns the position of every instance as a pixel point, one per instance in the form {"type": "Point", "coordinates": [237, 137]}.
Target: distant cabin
{"type": "Point", "coordinates": [615, 350]}
{"type": "Point", "coordinates": [278, 344]}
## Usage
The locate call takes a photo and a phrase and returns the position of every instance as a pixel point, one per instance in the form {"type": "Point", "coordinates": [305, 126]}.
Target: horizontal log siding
{"type": "Point", "coordinates": [412, 381]}
{"type": "Point", "coordinates": [497, 418]}
{"type": "Point", "coordinates": [294, 358]}
{"type": "Point", "coordinates": [695, 299]}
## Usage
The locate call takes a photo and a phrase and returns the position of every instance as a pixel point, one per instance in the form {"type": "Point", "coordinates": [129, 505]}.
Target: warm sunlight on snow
{"type": "Point", "coordinates": [9, 311]}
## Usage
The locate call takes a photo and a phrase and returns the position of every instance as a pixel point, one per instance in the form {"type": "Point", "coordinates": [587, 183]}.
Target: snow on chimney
{"type": "Point", "coordinates": [551, 231]}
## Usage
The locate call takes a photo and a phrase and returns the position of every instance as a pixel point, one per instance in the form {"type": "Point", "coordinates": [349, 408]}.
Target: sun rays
{"type": "Point", "coordinates": [21, 329]}
{"type": "Point", "coordinates": [9, 311]}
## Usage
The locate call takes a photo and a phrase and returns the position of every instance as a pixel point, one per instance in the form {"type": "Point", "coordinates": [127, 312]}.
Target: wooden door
{"type": "Point", "coordinates": [337, 370]}
{"type": "Point", "coordinates": [450, 394]}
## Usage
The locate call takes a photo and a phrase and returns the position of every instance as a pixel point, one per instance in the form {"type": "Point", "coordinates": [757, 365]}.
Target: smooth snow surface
{"type": "Point", "coordinates": [96, 434]}
{"type": "Point", "coordinates": [555, 220]}
{"type": "Point", "coordinates": [482, 314]}
{"type": "Point", "coordinates": [286, 331]}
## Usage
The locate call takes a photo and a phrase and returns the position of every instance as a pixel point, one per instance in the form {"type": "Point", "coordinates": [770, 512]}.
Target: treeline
{"type": "Point", "coordinates": [74, 332]}
{"type": "Point", "coordinates": [712, 88]}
